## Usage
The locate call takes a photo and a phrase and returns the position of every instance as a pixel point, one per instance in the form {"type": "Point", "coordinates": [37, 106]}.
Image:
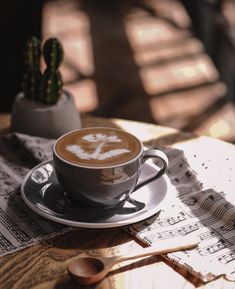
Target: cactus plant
{"type": "Point", "coordinates": [42, 115]}
{"type": "Point", "coordinates": [32, 76]}
{"type": "Point", "coordinates": [51, 83]}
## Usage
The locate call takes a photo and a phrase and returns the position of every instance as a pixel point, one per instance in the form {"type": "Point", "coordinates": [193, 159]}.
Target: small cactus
{"type": "Point", "coordinates": [32, 76]}
{"type": "Point", "coordinates": [51, 83]}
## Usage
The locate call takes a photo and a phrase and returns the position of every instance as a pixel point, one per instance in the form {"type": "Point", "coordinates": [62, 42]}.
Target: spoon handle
{"type": "Point", "coordinates": [163, 247]}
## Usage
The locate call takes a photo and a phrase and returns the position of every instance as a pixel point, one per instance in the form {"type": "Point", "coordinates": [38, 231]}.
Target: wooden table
{"type": "Point", "coordinates": [44, 265]}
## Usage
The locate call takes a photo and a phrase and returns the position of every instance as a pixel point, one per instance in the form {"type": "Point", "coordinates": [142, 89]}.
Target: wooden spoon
{"type": "Point", "coordinates": [89, 270]}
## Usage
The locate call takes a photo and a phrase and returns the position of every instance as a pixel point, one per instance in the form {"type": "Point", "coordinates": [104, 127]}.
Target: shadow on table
{"type": "Point", "coordinates": [68, 283]}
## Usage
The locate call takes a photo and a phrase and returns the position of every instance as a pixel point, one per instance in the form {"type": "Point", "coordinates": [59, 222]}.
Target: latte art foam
{"type": "Point", "coordinates": [98, 146]}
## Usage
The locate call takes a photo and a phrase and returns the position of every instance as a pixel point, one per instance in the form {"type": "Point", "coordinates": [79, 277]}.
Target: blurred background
{"type": "Point", "coordinates": [168, 62]}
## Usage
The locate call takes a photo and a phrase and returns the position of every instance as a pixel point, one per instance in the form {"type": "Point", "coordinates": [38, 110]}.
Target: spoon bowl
{"type": "Point", "coordinates": [85, 269]}
{"type": "Point", "coordinates": [88, 270]}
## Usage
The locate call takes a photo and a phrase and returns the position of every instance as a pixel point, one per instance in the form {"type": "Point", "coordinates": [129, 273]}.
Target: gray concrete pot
{"type": "Point", "coordinates": [49, 121]}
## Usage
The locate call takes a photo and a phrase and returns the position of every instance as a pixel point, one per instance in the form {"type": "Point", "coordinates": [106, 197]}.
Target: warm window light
{"type": "Point", "coordinates": [175, 75]}
{"type": "Point", "coordinates": [156, 55]}
{"type": "Point", "coordinates": [147, 33]}
{"type": "Point", "coordinates": [79, 56]}
{"type": "Point", "coordinates": [219, 129]}
{"type": "Point", "coordinates": [72, 27]}
{"type": "Point", "coordinates": [85, 94]}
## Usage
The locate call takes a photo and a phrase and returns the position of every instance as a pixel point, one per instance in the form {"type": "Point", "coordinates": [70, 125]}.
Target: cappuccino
{"type": "Point", "coordinates": [100, 166]}
{"type": "Point", "coordinates": [97, 147]}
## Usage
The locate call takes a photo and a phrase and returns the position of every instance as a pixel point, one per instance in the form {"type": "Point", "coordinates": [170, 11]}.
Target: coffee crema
{"type": "Point", "coordinates": [98, 147]}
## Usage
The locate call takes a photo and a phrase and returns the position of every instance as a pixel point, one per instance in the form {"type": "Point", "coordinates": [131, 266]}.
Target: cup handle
{"type": "Point", "coordinates": [159, 155]}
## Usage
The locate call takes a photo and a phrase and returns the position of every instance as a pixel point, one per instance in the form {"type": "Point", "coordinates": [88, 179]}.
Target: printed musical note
{"type": "Point", "coordinates": [185, 230]}
{"type": "Point", "coordinates": [215, 216]}
{"type": "Point", "coordinates": [221, 244]}
{"type": "Point", "coordinates": [227, 258]}
{"type": "Point", "coordinates": [172, 220]}
{"type": "Point", "coordinates": [191, 201]}
{"type": "Point", "coordinates": [206, 204]}
{"type": "Point", "coordinates": [176, 168]}
{"type": "Point", "coordinates": [229, 226]}
{"type": "Point", "coordinates": [181, 231]}
{"type": "Point", "coordinates": [208, 235]}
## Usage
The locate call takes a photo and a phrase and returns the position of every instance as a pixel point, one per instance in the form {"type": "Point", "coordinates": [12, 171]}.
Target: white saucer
{"type": "Point", "coordinates": [41, 191]}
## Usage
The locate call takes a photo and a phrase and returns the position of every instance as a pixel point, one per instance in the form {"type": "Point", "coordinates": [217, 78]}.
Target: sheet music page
{"type": "Point", "coordinates": [200, 203]}
{"type": "Point", "coordinates": [19, 226]}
